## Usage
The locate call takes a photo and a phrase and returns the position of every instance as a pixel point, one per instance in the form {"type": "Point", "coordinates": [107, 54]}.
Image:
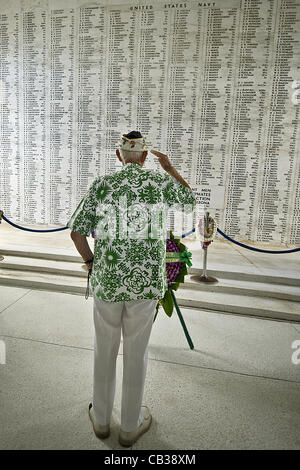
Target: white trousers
{"type": "Point", "coordinates": [135, 319]}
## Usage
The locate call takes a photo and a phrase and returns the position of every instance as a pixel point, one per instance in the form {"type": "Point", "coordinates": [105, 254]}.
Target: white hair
{"type": "Point", "coordinates": [128, 155]}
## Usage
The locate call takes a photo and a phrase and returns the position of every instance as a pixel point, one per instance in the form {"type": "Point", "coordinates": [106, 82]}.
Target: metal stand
{"type": "Point", "coordinates": [204, 277]}
{"type": "Point", "coordinates": [191, 345]}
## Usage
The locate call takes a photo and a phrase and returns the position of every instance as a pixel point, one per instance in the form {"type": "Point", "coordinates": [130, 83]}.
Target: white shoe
{"type": "Point", "coordinates": [127, 439]}
{"type": "Point", "coordinates": [101, 431]}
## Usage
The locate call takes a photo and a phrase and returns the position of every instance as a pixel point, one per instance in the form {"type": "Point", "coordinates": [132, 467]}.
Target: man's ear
{"type": "Point", "coordinates": [118, 155]}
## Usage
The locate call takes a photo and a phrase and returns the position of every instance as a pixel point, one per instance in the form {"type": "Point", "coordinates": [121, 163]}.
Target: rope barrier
{"type": "Point", "coordinates": [243, 244]}
{"type": "Point", "coordinates": [182, 236]}
{"type": "Point", "coordinates": [255, 249]}
{"type": "Point", "coordinates": [29, 229]}
{"type": "Point", "coordinates": [187, 233]}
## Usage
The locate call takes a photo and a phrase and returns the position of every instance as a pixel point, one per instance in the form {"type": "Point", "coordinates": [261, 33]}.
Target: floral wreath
{"type": "Point", "coordinates": [177, 259]}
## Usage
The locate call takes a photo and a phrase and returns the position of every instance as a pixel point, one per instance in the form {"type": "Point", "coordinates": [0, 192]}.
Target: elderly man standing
{"type": "Point", "coordinates": [128, 276]}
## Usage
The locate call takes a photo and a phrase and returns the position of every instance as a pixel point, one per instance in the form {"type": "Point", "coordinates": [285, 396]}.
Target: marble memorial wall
{"type": "Point", "coordinates": [212, 84]}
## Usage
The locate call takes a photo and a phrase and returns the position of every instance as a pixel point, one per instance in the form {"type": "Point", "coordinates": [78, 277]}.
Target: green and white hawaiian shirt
{"type": "Point", "coordinates": [126, 211]}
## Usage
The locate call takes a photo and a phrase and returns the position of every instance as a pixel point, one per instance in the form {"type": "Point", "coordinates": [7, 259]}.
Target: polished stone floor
{"type": "Point", "coordinates": [238, 389]}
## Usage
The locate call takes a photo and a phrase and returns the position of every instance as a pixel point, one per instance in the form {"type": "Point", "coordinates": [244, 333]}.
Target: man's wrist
{"type": "Point", "coordinates": [178, 177]}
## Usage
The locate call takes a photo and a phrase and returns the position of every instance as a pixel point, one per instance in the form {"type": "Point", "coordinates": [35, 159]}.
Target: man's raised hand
{"type": "Point", "coordinates": [163, 159]}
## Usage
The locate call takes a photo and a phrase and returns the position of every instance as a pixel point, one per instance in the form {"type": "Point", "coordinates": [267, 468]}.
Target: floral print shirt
{"type": "Point", "coordinates": [130, 249]}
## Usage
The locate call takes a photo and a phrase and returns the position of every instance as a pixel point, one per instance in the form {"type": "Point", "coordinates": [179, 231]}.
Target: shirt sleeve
{"type": "Point", "coordinates": [83, 219]}
{"type": "Point", "coordinates": [176, 193]}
